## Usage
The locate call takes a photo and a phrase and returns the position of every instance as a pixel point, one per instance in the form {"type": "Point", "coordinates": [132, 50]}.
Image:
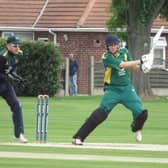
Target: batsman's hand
{"type": "Point", "coordinates": [144, 58]}
{"type": "Point", "coordinates": [146, 62]}
{"type": "Point", "coordinates": [145, 67]}
{"type": "Point", "coordinates": [147, 58]}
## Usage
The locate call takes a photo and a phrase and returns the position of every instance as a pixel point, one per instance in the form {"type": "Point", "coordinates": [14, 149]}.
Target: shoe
{"type": "Point", "coordinates": [77, 141]}
{"type": "Point", "coordinates": [22, 139]}
{"type": "Point", "coordinates": [138, 136]}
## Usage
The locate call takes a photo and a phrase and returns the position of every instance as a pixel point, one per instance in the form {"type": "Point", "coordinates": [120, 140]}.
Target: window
{"type": "Point", "coordinates": [160, 53]}
{"type": "Point", "coordinates": [43, 39]}
{"type": "Point", "coordinates": [22, 35]}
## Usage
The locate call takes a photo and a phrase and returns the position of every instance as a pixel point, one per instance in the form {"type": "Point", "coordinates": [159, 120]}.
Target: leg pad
{"type": "Point", "coordinates": [138, 123]}
{"type": "Point", "coordinates": [97, 117]}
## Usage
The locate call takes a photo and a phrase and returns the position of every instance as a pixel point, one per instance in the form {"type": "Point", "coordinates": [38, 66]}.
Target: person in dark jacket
{"type": "Point", "coordinates": [73, 69]}
{"type": "Point", "coordinates": [9, 58]}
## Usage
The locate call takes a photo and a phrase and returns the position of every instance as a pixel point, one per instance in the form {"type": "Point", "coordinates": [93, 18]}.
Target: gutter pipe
{"type": "Point", "coordinates": [78, 29]}
{"type": "Point", "coordinates": [54, 35]}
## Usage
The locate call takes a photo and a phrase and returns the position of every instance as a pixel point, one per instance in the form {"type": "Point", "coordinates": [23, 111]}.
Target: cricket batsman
{"type": "Point", "coordinates": [9, 58]}
{"type": "Point", "coordinates": [117, 90]}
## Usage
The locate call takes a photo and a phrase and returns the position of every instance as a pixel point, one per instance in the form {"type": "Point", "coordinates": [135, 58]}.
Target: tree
{"type": "Point", "coordinates": [137, 16]}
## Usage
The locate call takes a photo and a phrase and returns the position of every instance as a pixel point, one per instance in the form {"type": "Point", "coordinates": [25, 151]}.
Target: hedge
{"type": "Point", "coordinates": [40, 67]}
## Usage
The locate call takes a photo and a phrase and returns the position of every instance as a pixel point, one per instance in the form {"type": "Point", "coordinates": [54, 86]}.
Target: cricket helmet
{"type": "Point", "coordinates": [13, 39]}
{"type": "Point", "coordinates": [111, 40]}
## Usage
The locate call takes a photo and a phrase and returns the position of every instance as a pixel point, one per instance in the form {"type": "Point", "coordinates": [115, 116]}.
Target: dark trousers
{"type": "Point", "coordinates": [8, 93]}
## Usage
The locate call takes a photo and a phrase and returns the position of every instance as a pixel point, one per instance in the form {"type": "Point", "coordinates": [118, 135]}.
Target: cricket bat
{"type": "Point", "coordinates": [150, 56]}
{"type": "Point", "coordinates": [156, 39]}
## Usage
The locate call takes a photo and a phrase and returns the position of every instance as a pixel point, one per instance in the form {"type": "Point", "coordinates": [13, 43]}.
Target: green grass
{"type": "Point", "coordinates": [66, 114]}
{"type": "Point", "coordinates": [100, 152]}
{"type": "Point", "coordinates": [27, 163]}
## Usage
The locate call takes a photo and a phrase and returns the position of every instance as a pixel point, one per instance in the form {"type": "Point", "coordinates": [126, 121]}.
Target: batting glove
{"type": "Point", "coordinates": [145, 68]}
{"type": "Point", "coordinates": [146, 62]}
{"type": "Point", "coordinates": [147, 58]}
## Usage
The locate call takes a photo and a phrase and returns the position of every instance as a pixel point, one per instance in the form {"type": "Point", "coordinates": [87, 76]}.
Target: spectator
{"type": "Point", "coordinates": [73, 69]}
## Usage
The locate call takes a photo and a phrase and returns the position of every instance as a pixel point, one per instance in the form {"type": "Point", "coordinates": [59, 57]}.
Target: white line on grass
{"type": "Point", "coordinates": [118, 146]}
{"type": "Point", "coordinates": [81, 157]}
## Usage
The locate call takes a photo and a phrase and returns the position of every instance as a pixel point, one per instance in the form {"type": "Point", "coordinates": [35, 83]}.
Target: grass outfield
{"type": "Point", "coordinates": [66, 114]}
{"type": "Point", "coordinates": [26, 163]}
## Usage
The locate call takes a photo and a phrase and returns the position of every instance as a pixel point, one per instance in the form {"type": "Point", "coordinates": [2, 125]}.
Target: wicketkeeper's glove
{"type": "Point", "coordinates": [11, 73]}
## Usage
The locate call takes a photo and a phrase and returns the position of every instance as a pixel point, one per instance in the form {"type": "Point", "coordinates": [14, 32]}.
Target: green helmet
{"type": "Point", "coordinates": [13, 39]}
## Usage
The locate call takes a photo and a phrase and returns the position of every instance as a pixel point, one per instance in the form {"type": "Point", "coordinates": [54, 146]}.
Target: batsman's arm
{"type": "Point", "coordinates": [130, 64]}
{"type": "Point", "coordinates": [145, 67]}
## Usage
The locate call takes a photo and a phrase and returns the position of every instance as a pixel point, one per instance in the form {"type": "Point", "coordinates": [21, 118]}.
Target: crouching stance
{"type": "Point", "coordinates": [9, 58]}
{"type": "Point", "coordinates": [118, 90]}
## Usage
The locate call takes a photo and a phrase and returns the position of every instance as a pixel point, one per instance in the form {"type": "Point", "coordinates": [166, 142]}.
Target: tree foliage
{"type": "Point", "coordinates": [136, 17]}
{"type": "Point", "coordinates": [145, 11]}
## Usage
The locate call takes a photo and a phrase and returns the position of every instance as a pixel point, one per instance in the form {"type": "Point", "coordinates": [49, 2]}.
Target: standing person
{"type": "Point", "coordinates": [9, 58]}
{"type": "Point", "coordinates": [73, 69]}
{"type": "Point", "coordinates": [118, 89]}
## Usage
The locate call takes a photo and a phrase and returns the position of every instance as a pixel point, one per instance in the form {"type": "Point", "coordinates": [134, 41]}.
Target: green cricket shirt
{"type": "Point", "coordinates": [114, 75]}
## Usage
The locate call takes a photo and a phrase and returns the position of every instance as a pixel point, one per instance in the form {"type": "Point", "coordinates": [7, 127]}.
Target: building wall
{"type": "Point", "coordinates": [84, 45]}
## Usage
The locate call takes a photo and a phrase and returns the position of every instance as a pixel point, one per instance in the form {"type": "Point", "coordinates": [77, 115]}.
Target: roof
{"type": "Point", "coordinates": [160, 21]}
{"type": "Point", "coordinates": [54, 13]}
{"type": "Point", "coordinates": [57, 14]}
{"type": "Point", "coordinates": [19, 12]}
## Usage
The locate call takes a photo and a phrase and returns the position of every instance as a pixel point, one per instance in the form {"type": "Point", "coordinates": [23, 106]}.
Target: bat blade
{"type": "Point", "coordinates": [156, 38]}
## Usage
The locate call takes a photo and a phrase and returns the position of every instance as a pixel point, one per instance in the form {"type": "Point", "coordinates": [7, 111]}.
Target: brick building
{"type": "Point", "coordinates": [73, 25]}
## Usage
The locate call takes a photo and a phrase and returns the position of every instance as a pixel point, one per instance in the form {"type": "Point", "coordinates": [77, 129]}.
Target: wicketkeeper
{"type": "Point", "coordinates": [9, 58]}
{"type": "Point", "coordinates": [118, 90]}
